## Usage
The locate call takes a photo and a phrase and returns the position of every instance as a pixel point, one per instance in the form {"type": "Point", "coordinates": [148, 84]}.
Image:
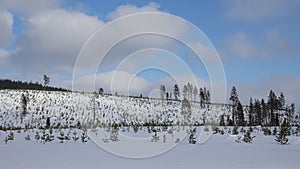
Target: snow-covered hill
{"type": "Point", "coordinates": [67, 109]}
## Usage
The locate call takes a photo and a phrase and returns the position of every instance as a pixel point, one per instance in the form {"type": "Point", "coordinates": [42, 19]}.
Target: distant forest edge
{"type": "Point", "coordinates": [10, 84]}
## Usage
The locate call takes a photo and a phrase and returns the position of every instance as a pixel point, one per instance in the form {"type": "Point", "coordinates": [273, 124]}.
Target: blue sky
{"type": "Point", "coordinates": [257, 41]}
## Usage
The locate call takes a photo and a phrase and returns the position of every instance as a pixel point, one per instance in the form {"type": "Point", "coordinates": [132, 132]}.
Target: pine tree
{"type": "Point", "coordinates": [46, 80]}
{"type": "Point", "coordinates": [162, 92]}
{"type": "Point", "coordinates": [192, 138]}
{"type": "Point", "coordinates": [208, 96]}
{"type": "Point", "coordinates": [251, 113]}
{"type": "Point", "coordinates": [101, 92]}
{"type": "Point", "coordinates": [264, 112]}
{"type": "Point", "coordinates": [202, 97]}
{"type": "Point", "coordinates": [48, 122]}
{"type": "Point", "coordinates": [176, 92]}
{"type": "Point", "coordinates": [185, 92]}
{"type": "Point", "coordinates": [84, 137]}
{"type": "Point", "coordinates": [281, 101]}
{"type": "Point", "coordinates": [61, 137]}
{"type": "Point", "coordinates": [284, 131]}
{"type": "Point", "coordinates": [247, 137]}
{"type": "Point", "coordinates": [235, 101]}
{"type": "Point", "coordinates": [273, 106]}
{"type": "Point", "coordinates": [234, 96]}
{"type": "Point", "coordinates": [195, 93]}
{"type": "Point", "coordinates": [24, 101]}
{"type": "Point", "coordinates": [222, 120]}
{"type": "Point", "coordinates": [240, 115]}
{"type": "Point", "coordinates": [257, 111]}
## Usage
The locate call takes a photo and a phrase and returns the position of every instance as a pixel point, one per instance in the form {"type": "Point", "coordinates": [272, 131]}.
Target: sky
{"type": "Point", "coordinates": [256, 40]}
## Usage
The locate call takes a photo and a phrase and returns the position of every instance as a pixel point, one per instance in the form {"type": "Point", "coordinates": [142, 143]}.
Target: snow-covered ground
{"type": "Point", "coordinates": [66, 110]}
{"type": "Point", "coordinates": [220, 152]}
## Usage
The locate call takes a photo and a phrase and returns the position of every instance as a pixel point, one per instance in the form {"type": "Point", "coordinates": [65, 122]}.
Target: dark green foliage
{"type": "Point", "coordinates": [84, 137]}
{"type": "Point", "coordinates": [235, 130]}
{"type": "Point", "coordinates": [24, 102]}
{"type": "Point", "coordinates": [37, 136]}
{"type": "Point", "coordinates": [284, 131]}
{"type": "Point", "coordinates": [251, 113]}
{"type": "Point", "coordinates": [61, 137]}
{"type": "Point", "coordinates": [266, 131]}
{"type": "Point", "coordinates": [75, 137]}
{"type": "Point", "coordinates": [9, 137]}
{"type": "Point", "coordinates": [176, 92]}
{"type": "Point", "coordinates": [247, 137]}
{"type": "Point", "coordinates": [257, 112]}
{"type": "Point", "coordinates": [274, 132]}
{"type": "Point", "coordinates": [101, 92]}
{"type": "Point", "coordinates": [9, 84]}
{"type": "Point", "coordinates": [46, 80]}
{"type": "Point", "coordinates": [27, 138]}
{"type": "Point", "coordinates": [186, 111]}
{"type": "Point", "coordinates": [222, 120]}
{"type": "Point", "coordinates": [192, 138]}
{"type": "Point", "coordinates": [48, 122]}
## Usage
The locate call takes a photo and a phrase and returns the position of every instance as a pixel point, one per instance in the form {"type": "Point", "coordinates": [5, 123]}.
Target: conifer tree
{"type": "Point", "coordinates": [176, 92]}
{"type": "Point", "coordinates": [284, 131]}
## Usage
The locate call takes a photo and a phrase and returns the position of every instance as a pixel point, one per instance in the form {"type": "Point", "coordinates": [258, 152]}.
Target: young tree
{"type": "Point", "coordinates": [46, 80]}
{"type": "Point", "coordinates": [162, 91]}
{"type": "Point", "coordinates": [273, 106]}
{"type": "Point", "coordinates": [185, 92]}
{"type": "Point", "coordinates": [48, 122]}
{"type": "Point", "coordinates": [176, 92]}
{"type": "Point", "coordinates": [234, 96]}
{"type": "Point", "coordinates": [201, 96]}
{"type": "Point", "coordinates": [186, 111]}
{"type": "Point", "coordinates": [284, 131]}
{"type": "Point", "coordinates": [222, 120]}
{"type": "Point", "coordinates": [207, 96]}
{"type": "Point", "coordinates": [281, 101]}
{"type": "Point", "coordinates": [24, 101]}
{"type": "Point", "coordinates": [101, 91]}
{"type": "Point", "coordinates": [195, 93]}
{"type": "Point", "coordinates": [190, 91]}
{"type": "Point", "coordinates": [264, 112]}
{"type": "Point", "coordinates": [251, 113]}
{"type": "Point", "coordinates": [235, 103]}
{"type": "Point", "coordinates": [240, 115]}
{"type": "Point", "coordinates": [257, 112]}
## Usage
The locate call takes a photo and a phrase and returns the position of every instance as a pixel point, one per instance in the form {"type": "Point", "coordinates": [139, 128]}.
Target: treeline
{"type": "Point", "coordinates": [9, 84]}
{"type": "Point", "coordinates": [272, 112]}
{"type": "Point", "coordinates": [189, 93]}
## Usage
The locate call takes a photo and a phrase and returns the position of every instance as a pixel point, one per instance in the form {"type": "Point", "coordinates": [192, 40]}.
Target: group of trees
{"type": "Point", "coordinates": [189, 92]}
{"type": "Point", "coordinates": [260, 112]}
{"type": "Point", "coordinates": [10, 84]}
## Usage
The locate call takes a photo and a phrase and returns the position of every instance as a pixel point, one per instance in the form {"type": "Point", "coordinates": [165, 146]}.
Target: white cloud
{"type": "Point", "coordinates": [273, 45]}
{"type": "Point", "coordinates": [114, 81]}
{"type": "Point", "coordinates": [29, 7]}
{"type": "Point", "coordinates": [3, 57]}
{"type": "Point", "coordinates": [287, 84]}
{"type": "Point", "coordinates": [52, 40]}
{"type": "Point", "coordinates": [124, 10]}
{"type": "Point", "coordinates": [253, 10]}
{"type": "Point", "coordinates": [6, 27]}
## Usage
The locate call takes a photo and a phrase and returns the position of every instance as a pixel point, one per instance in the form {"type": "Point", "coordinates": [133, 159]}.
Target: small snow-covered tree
{"type": "Point", "coordinates": [162, 91]}
{"type": "Point", "coordinates": [176, 92]}
{"type": "Point", "coordinates": [46, 80]}
{"type": "Point", "coordinates": [84, 137]}
{"type": "Point", "coordinates": [284, 131]}
{"type": "Point", "coordinates": [192, 138]}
